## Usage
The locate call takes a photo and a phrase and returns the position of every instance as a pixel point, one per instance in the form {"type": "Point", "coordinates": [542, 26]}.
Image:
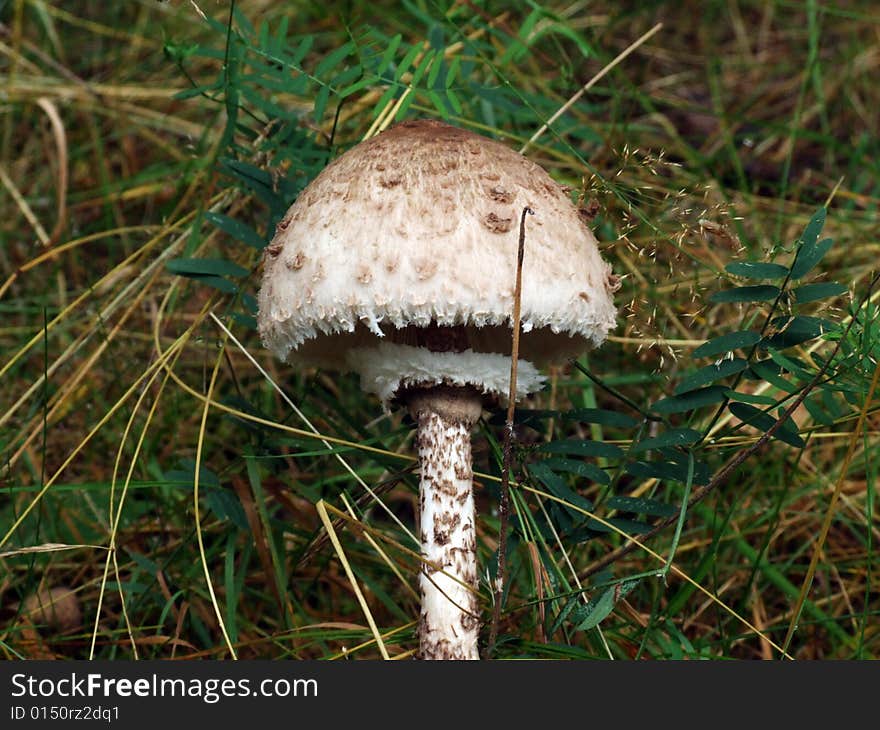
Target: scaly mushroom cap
{"type": "Point", "coordinates": [417, 228]}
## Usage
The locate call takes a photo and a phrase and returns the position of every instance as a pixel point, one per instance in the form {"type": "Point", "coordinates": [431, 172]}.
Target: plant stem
{"type": "Point", "coordinates": [507, 450]}
{"type": "Point", "coordinates": [449, 621]}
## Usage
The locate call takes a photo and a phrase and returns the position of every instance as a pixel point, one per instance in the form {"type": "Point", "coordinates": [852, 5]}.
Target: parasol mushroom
{"type": "Point", "coordinates": [398, 262]}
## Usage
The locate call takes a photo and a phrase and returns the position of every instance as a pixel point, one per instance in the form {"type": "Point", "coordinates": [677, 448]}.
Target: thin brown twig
{"type": "Point", "coordinates": [507, 452]}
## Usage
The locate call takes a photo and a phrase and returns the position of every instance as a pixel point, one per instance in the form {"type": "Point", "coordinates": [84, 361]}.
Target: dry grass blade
{"type": "Point", "coordinates": [61, 164]}
{"type": "Point", "coordinates": [246, 497]}
{"type": "Point", "coordinates": [22, 204]}
{"type": "Point", "coordinates": [49, 547]}
{"type": "Point", "coordinates": [340, 553]}
{"type": "Point", "coordinates": [196, 504]}
{"type": "Point", "coordinates": [586, 87]}
{"type": "Point", "coordinates": [831, 510]}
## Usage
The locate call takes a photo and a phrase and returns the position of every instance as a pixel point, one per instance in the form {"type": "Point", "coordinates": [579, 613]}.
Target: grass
{"type": "Point", "coordinates": [201, 500]}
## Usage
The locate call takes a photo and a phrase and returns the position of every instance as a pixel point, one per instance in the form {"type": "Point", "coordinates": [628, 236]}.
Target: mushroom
{"type": "Point", "coordinates": [398, 262]}
{"type": "Point", "coordinates": [58, 608]}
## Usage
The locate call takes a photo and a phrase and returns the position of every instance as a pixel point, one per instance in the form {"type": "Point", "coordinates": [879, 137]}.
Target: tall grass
{"type": "Point", "coordinates": [672, 498]}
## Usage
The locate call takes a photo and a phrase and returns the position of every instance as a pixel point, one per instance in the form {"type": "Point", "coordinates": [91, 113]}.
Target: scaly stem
{"type": "Point", "coordinates": [449, 622]}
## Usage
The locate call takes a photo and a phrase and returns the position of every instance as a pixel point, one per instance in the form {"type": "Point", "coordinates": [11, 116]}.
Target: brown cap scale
{"type": "Point", "coordinates": [398, 262]}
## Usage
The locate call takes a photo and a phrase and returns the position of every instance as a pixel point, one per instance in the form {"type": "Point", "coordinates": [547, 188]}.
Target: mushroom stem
{"type": "Point", "coordinates": [449, 622]}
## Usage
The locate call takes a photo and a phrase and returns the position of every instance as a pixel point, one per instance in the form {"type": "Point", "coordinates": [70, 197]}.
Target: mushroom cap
{"type": "Point", "coordinates": [56, 607]}
{"type": "Point", "coordinates": [416, 228]}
